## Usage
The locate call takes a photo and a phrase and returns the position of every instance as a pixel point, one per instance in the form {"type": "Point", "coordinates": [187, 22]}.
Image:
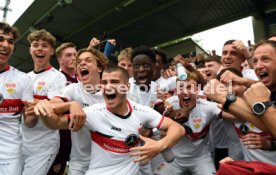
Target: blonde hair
{"type": "Point", "coordinates": [42, 35]}
{"type": "Point", "coordinates": [125, 54]}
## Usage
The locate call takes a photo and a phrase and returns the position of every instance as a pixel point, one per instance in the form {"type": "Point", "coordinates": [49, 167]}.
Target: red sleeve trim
{"type": "Point", "coordinates": [41, 97]}
{"type": "Point", "coordinates": [161, 122]}
{"type": "Point", "coordinates": [64, 99]}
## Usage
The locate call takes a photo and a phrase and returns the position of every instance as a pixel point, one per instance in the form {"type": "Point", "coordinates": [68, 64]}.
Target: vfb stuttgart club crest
{"type": "Point", "coordinates": [10, 87]}
{"type": "Point", "coordinates": [40, 85]}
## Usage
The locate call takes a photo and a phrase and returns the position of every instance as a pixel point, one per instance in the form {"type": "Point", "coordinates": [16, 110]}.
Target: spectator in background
{"type": "Point", "coordinates": [199, 61]}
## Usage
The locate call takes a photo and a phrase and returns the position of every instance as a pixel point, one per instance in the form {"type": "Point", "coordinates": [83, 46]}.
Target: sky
{"type": "Point", "coordinates": [17, 6]}
{"type": "Point", "coordinates": [208, 40]}
{"type": "Point", "coordinates": [216, 37]}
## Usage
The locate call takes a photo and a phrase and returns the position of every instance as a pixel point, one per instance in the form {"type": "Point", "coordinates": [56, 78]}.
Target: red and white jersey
{"type": "Point", "coordinates": [81, 143]}
{"type": "Point", "coordinates": [40, 139]}
{"type": "Point", "coordinates": [255, 154]}
{"type": "Point", "coordinates": [112, 137]}
{"type": "Point", "coordinates": [195, 143]}
{"type": "Point", "coordinates": [146, 98]}
{"type": "Point", "coordinates": [15, 88]}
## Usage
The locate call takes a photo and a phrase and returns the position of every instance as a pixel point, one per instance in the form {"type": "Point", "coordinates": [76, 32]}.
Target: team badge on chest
{"type": "Point", "coordinates": [197, 122]}
{"type": "Point", "coordinates": [40, 85]}
{"type": "Point", "coordinates": [10, 87]}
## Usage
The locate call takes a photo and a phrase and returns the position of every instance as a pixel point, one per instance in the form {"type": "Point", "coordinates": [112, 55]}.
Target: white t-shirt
{"type": "Point", "coordinates": [111, 133]}
{"type": "Point", "coordinates": [40, 139]}
{"type": "Point", "coordinates": [16, 87]}
{"type": "Point", "coordinates": [255, 154]}
{"type": "Point", "coordinates": [81, 143]}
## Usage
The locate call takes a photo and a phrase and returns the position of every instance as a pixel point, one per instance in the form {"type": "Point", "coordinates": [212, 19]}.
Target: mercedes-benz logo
{"type": "Point", "coordinates": [131, 140]}
{"type": "Point", "coordinates": [244, 129]}
{"type": "Point", "coordinates": [1, 98]}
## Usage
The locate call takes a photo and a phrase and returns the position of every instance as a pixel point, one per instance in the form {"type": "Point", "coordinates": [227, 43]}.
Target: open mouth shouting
{"type": "Point", "coordinates": [142, 80]}
{"type": "Point", "coordinates": [84, 74]}
{"type": "Point", "coordinates": [264, 77]}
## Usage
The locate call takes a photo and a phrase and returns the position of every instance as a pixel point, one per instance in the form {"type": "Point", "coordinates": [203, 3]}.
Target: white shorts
{"type": "Point", "coordinates": [205, 165]}
{"type": "Point", "coordinates": [145, 169]}
{"type": "Point", "coordinates": [10, 168]}
{"type": "Point", "coordinates": [78, 168]}
{"type": "Point", "coordinates": [37, 164]}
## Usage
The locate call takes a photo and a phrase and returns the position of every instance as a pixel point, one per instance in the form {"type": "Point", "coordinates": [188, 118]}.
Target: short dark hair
{"type": "Point", "coordinates": [213, 58]}
{"type": "Point", "coordinates": [263, 42]}
{"type": "Point", "coordinates": [9, 29]}
{"type": "Point", "coordinates": [231, 69]}
{"type": "Point", "coordinates": [114, 68]}
{"type": "Point", "coordinates": [162, 54]}
{"type": "Point", "coordinates": [143, 50]}
{"type": "Point", "coordinates": [229, 42]}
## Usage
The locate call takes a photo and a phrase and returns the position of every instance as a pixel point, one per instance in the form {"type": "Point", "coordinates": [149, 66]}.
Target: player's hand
{"type": "Point", "coordinates": [258, 92]}
{"type": "Point", "coordinates": [94, 42]}
{"type": "Point", "coordinates": [216, 91]}
{"type": "Point", "coordinates": [254, 141]}
{"type": "Point", "coordinates": [77, 116]}
{"type": "Point", "coordinates": [228, 76]}
{"type": "Point", "coordinates": [29, 108]}
{"type": "Point", "coordinates": [112, 41]}
{"type": "Point", "coordinates": [30, 119]}
{"type": "Point", "coordinates": [44, 108]}
{"type": "Point", "coordinates": [226, 160]}
{"type": "Point", "coordinates": [148, 151]}
{"type": "Point", "coordinates": [238, 44]}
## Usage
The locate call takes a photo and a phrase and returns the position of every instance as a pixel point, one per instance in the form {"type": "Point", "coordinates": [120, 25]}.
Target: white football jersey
{"type": "Point", "coordinates": [195, 143]}
{"type": "Point", "coordinates": [167, 84]}
{"type": "Point", "coordinates": [146, 98]}
{"type": "Point", "coordinates": [16, 87]}
{"type": "Point", "coordinates": [255, 154]}
{"type": "Point", "coordinates": [40, 139]}
{"type": "Point", "coordinates": [112, 137]}
{"type": "Point", "coordinates": [81, 143]}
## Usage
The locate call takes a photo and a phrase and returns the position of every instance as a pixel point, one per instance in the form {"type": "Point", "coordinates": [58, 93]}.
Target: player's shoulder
{"type": "Point", "coordinates": [22, 76]}
{"type": "Point", "coordinates": [99, 107]}
{"type": "Point", "coordinates": [136, 107]}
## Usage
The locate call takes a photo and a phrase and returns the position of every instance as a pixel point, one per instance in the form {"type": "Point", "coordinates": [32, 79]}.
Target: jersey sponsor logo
{"type": "Point", "coordinates": [197, 122]}
{"type": "Point", "coordinates": [109, 144]}
{"type": "Point", "coordinates": [10, 87]}
{"type": "Point", "coordinates": [116, 128]}
{"type": "Point", "coordinates": [11, 106]}
{"type": "Point", "coordinates": [131, 140]}
{"type": "Point", "coordinates": [85, 104]}
{"type": "Point", "coordinates": [40, 85]}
